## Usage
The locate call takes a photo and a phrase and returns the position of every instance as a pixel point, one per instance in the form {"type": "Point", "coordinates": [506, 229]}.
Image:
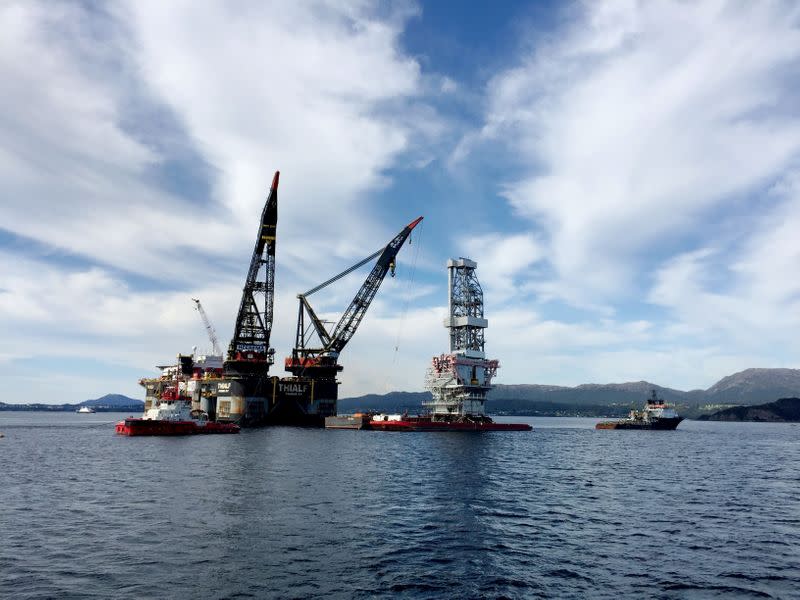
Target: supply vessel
{"type": "Point", "coordinates": [172, 413]}
{"type": "Point", "coordinates": [458, 381]}
{"type": "Point", "coordinates": [656, 414]}
{"type": "Point", "coordinates": [238, 388]}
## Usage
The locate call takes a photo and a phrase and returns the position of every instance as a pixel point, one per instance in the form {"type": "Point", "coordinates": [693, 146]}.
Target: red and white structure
{"type": "Point", "coordinates": [459, 381]}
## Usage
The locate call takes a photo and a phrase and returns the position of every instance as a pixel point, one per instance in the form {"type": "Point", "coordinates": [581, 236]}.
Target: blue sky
{"type": "Point", "coordinates": [624, 173]}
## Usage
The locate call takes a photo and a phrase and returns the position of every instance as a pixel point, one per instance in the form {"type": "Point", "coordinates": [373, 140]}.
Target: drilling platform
{"type": "Point", "coordinates": [458, 381]}
{"type": "Point", "coordinates": [240, 389]}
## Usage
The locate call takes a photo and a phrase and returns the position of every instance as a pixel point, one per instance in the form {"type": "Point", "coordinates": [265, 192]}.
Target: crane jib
{"type": "Point", "coordinates": [253, 323]}
{"type": "Point", "coordinates": [353, 315]}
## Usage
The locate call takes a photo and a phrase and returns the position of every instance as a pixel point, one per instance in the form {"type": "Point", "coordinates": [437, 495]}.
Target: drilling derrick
{"type": "Point", "coordinates": [459, 381]}
{"type": "Point", "coordinates": [249, 350]}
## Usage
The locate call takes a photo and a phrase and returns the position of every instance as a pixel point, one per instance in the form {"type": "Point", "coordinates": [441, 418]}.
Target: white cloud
{"type": "Point", "coordinates": [100, 103]}
{"type": "Point", "coordinates": [319, 91]}
{"type": "Point", "coordinates": [748, 293]}
{"type": "Point", "coordinates": [501, 259]}
{"type": "Point", "coordinates": [638, 122]}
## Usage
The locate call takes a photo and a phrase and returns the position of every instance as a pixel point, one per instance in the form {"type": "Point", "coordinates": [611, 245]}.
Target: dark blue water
{"type": "Point", "coordinates": [710, 510]}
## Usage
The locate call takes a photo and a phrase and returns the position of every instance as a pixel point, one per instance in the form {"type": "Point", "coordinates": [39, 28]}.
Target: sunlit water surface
{"type": "Point", "coordinates": [710, 510]}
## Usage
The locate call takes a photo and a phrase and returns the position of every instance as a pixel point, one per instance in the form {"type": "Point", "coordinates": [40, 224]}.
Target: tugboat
{"type": "Point", "coordinates": [173, 416]}
{"type": "Point", "coordinates": [655, 415]}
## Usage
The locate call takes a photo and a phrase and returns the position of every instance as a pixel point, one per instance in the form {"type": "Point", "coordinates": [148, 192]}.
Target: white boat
{"type": "Point", "coordinates": [85, 409]}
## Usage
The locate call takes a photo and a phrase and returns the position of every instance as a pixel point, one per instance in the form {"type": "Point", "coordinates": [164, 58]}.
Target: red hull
{"type": "Point", "coordinates": [153, 427]}
{"type": "Point", "coordinates": [422, 424]}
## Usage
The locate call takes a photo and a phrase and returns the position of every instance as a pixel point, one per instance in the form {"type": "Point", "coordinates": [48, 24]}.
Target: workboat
{"type": "Point", "coordinates": [655, 415]}
{"type": "Point", "coordinates": [173, 415]}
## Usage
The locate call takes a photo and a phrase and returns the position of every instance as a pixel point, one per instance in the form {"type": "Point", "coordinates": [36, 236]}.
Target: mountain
{"type": "Point", "coordinates": [108, 403]}
{"type": "Point", "coordinates": [785, 410]}
{"type": "Point", "coordinates": [749, 387]}
{"type": "Point", "coordinates": [587, 394]}
{"type": "Point", "coordinates": [113, 401]}
{"type": "Point", "coordinates": [754, 386]}
{"type": "Point", "coordinates": [394, 402]}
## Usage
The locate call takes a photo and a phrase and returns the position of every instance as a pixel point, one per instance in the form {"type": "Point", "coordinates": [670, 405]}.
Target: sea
{"type": "Point", "coordinates": [711, 510]}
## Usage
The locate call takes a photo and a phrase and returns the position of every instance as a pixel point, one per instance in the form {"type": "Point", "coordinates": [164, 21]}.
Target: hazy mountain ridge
{"type": "Point", "coordinates": [748, 387]}
{"type": "Point", "coordinates": [107, 403]}
{"type": "Point", "coordinates": [755, 386]}
{"type": "Point", "coordinates": [785, 410]}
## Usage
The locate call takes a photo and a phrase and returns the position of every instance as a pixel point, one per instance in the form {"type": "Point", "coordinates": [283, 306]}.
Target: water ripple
{"type": "Point", "coordinates": [710, 510]}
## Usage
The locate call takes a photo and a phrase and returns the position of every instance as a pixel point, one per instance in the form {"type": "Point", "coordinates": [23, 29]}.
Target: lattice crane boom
{"type": "Point", "coordinates": [251, 335]}
{"type": "Point", "coordinates": [333, 343]}
{"type": "Point", "coordinates": [351, 319]}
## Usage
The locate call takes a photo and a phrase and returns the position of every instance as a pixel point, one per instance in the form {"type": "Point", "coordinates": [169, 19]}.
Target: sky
{"type": "Point", "coordinates": [625, 174]}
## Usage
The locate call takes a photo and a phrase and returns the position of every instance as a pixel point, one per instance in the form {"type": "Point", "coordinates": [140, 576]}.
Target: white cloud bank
{"type": "Point", "coordinates": [99, 100]}
{"type": "Point", "coordinates": [654, 144]}
{"type": "Point", "coordinates": [648, 138]}
{"type": "Point", "coordinates": [640, 120]}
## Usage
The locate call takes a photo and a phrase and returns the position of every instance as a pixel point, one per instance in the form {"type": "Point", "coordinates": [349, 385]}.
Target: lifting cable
{"type": "Point", "coordinates": [406, 299]}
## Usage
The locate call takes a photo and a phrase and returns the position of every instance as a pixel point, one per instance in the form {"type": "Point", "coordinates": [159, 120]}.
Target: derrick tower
{"type": "Point", "coordinates": [459, 380]}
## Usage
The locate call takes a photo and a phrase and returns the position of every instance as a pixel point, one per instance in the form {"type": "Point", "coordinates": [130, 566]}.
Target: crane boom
{"type": "Point", "coordinates": [212, 334]}
{"type": "Point", "coordinates": [352, 317]}
{"type": "Point", "coordinates": [332, 344]}
{"type": "Point", "coordinates": [251, 334]}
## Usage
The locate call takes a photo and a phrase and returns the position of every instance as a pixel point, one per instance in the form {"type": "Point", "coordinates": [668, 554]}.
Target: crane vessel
{"type": "Point", "coordinates": [240, 388]}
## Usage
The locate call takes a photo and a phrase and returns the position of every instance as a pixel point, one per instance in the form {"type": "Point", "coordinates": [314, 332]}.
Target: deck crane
{"type": "Point", "coordinates": [212, 334]}
{"type": "Point", "coordinates": [321, 362]}
{"type": "Point", "coordinates": [249, 350]}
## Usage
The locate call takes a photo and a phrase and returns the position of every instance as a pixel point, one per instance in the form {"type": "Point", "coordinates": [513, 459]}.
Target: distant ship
{"type": "Point", "coordinates": [655, 415]}
{"type": "Point", "coordinates": [85, 409]}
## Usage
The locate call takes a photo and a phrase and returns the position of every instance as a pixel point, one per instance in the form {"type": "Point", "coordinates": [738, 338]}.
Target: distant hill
{"type": "Point", "coordinates": [749, 387]}
{"type": "Point", "coordinates": [781, 411]}
{"type": "Point", "coordinates": [754, 386]}
{"type": "Point", "coordinates": [112, 401]}
{"type": "Point", "coordinates": [586, 394]}
{"type": "Point", "coordinates": [395, 402]}
{"type": "Point", "coordinates": [108, 403]}
{"type": "Point", "coordinates": [398, 402]}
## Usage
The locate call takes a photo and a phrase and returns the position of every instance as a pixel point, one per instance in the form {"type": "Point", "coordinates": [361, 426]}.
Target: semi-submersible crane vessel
{"type": "Point", "coordinates": [240, 389]}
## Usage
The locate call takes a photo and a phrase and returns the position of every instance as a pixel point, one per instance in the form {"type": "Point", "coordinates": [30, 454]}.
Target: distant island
{"type": "Point", "coordinates": [107, 403]}
{"type": "Point", "coordinates": [785, 410]}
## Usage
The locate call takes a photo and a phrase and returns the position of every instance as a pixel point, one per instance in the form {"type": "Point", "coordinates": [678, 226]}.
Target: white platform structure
{"type": "Point", "coordinates": [459, 380]}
